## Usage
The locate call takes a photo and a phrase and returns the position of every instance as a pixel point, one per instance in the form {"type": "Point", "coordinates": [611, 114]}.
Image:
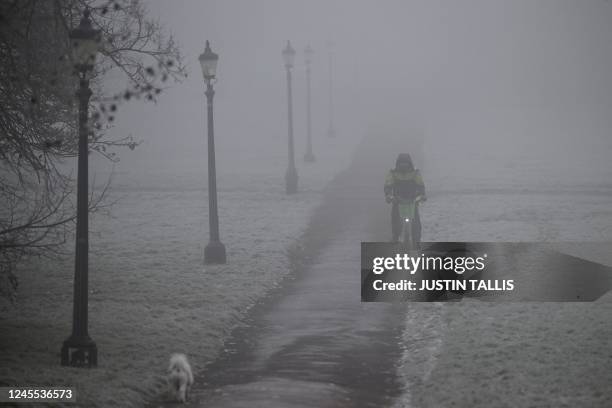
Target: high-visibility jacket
{"type": "Point", "coordinates": [408, 184]}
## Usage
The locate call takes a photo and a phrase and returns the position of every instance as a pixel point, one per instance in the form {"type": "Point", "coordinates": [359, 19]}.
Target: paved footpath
{"type": "Point", "coordinates": [313, 343]}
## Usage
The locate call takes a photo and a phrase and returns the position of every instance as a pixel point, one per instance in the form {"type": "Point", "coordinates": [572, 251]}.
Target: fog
{"type": "Point", "coordinates": [506, 108]}
{"type": "Point", "coordinates": [486, 84]}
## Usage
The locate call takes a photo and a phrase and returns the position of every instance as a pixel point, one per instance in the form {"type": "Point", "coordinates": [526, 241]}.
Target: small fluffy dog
{"type": "Point", "coordinates": [180, 377]}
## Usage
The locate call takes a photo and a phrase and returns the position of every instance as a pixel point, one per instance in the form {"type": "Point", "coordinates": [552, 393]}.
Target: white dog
{"type": "Point", "coordinates": [180, 377]}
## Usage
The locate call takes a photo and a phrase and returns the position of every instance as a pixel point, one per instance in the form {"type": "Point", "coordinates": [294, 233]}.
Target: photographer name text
{"type": "Point", "coordinates": [445, 284]}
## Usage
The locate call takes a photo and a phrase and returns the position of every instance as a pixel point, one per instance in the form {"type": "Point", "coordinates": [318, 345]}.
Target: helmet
{"type": "Point", "coordinates": [404, 162]}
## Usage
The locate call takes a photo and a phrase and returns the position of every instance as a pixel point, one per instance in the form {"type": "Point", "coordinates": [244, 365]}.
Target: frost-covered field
{"type": "Point", "coordinates": [513, 354]}
{"type": "Point", "coordinates": [150, 293]}
{"type": "Point", "coordinates": [475, 354]}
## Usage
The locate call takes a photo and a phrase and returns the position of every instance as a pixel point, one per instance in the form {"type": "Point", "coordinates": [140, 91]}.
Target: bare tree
{"type": "Point", "coordinates": [38, 111]}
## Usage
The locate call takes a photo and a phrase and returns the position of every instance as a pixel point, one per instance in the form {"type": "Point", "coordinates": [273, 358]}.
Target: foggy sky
{"type": "Point", "coordinates": [471, 75]}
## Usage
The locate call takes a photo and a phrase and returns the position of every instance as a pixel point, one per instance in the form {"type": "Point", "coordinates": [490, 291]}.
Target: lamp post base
{"type": "Point", "coordinates": [309, 157]}
{"type": "Point", "coordinates": [214, 253]}
{"type": "Point", "coordinates": [79, 352]}
{"type": "Point", "coordinates": [291, 180]}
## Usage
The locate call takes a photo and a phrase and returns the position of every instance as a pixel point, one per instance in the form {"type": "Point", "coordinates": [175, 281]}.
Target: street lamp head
{"type": "Point", "coordinates": [208, 61]}
{"type": "Point", "coordinates": [308, 53]}
{"type": "Point", "coordinates": [85, 41]}
{"type": "Point", "coordinates": [288, 55]}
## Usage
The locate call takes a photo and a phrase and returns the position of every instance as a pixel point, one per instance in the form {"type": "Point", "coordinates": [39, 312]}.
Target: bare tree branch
{"type": "Point", "coordinates": [38, 118]}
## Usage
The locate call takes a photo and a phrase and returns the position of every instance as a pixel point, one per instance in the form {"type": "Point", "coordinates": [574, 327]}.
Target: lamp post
{"type": "Point", "coordinates": [309, 156]}
{"type": "Point", "coordinates": [291, 177]}
{"type": "Point", "coordinates": [214, 252]}
{"type": "Point", "coordinates": [79, 349]}
{"type": "Point", "coordinates": [331, 131]}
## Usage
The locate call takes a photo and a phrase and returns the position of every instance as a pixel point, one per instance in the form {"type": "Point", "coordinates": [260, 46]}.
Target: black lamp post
{"type": "Point", "coordinates": [79, 349]}
{"type": "Point", "coordinates": [309, 156]}
{"type": "Point", "coordinates": [331, 131]}
{"type": "Point", "coordinates": [291, 177]}
{"type": "Point", "coordinates": [214, 253]}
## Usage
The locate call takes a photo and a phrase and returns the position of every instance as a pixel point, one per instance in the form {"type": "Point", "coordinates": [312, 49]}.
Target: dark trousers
{"type": "Point", "coordinates": [396, 224]}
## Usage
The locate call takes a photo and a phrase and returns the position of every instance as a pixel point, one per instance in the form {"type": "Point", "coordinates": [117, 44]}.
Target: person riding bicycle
{"type": "Point", "coordinates": [404, 182]}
